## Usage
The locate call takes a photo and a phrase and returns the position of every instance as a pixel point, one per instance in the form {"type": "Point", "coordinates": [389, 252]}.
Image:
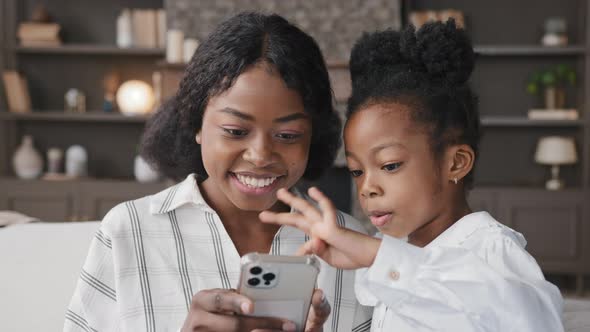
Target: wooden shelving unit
{"type": "Point", "coordinates": [57, 116]}
{"type": "Point", "coordinates": [528, 50]}
{"type": "Point", "coordinates": [515, 121]}
{"type": "Point", "coordinates": [86, 57]}
{"type": "Point", "coordinates": [91, 49]}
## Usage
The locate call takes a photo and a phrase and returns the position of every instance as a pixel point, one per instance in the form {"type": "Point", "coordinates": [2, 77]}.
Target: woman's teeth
{"type": "Point", "coordinates": [255, 182]}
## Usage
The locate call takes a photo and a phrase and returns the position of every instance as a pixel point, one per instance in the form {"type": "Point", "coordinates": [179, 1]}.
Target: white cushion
{"type": "Point", "coordinates": [39, 266]}
{"type": "Point", "coordinates": [576, 315]}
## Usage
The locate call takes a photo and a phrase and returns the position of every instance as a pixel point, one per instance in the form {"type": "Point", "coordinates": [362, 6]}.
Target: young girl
{"type": "Point", "coordinates": [411, 141]}
{"type": "Point", "coordinates": [253, 114]}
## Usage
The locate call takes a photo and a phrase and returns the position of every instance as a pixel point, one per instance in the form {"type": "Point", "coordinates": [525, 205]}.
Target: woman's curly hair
{"type": "Point", "coordinates": [426, 70]}
{"type": "Point", "coordinates": [236, 45]}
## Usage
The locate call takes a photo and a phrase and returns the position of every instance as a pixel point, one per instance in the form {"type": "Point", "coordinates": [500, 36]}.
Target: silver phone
{"type": "Point", "coordinates": [280, 286]}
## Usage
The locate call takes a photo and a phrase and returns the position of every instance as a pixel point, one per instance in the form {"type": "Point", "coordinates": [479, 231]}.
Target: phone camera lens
{"type": "Point", "coordinates": [256, 270]}
{"type": "Point", "coordinates": [253, 281]}
{"type": "Point", "coordinates": [268, 276]}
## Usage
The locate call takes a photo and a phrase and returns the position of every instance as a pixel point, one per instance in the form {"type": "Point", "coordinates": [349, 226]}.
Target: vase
{"type": "Point", "coordinates": [27, 162]}
{"type": "Point", "coordinates": [76, 161]}
{"type": "Point", "coordinates": [143, 171]}
{"type": "Point", "coordinates": [554, 98]}
{"type": "Point", "coordinates": [124, 29]}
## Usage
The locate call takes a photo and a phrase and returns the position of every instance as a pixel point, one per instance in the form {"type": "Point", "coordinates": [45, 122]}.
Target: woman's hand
{"type": "Point", "coordinates": [318, 312]}
{"type": "Point", "coordinates": [223, 310]}
{"type": "Point", "coordinates": [338, 246]}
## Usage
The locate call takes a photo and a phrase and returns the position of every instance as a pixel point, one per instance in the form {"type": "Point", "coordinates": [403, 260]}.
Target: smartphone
{"type": "Point", "coordinates": [279, 286]}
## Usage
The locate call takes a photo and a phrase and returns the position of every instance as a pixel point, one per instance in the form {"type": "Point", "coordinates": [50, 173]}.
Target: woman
{"type": "Point", "coordinates": [253, 114]}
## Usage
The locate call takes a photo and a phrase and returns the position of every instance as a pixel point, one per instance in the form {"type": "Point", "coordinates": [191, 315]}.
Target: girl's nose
{"type": "Point", "coordinates": [370, 188]}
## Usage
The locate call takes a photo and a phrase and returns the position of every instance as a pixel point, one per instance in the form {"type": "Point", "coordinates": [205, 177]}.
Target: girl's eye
{"type": "Point", "coordinates": [235, 132]}
{"type": "Point", "coordinates": [355, 173]}
{"type": "Point", "coordinates": [288, 136]}
{"type": "Point", "coordinates": [391, 167]}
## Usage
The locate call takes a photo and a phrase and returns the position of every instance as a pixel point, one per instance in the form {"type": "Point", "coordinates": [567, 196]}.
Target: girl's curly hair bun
{"type": "Point", "coordinates": [442, 50]}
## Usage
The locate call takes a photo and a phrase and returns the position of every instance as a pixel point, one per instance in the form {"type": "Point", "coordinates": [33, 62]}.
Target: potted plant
{"type": "Point", "coordinates": [552, 82]}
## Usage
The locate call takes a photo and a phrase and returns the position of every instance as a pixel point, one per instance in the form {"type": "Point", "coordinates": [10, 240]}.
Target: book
{"type": "Point", "coordinates": [40, 43]}
{"type": "Point", "coordinates": [553, 114]}
{"type": "Point", "coordinates": [17, 92]}
{"type": "Point", "coordinates": [38, 31]}
{"type": "Point", "coordinates": [143, 22]}
{"type": "Point", "coordinates": [161, 27]}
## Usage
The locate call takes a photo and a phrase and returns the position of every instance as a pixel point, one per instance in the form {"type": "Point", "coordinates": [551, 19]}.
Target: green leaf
{"type": "Point", "coordinates": [536, 78]}
{"type": "Point", "coordinates": [532, 88]}
{"type": "Point", "coordinates": [571, 78]}
{"type": "Point", "coordinates": [562, 70]}
{"type": "Point", "coordinates": [548, 78]}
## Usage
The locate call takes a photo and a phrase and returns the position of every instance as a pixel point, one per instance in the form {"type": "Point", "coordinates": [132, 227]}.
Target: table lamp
{"type": "Point", "coordinates": [135, 98]}
{"type": "Point", "coordinates": [555, 151]}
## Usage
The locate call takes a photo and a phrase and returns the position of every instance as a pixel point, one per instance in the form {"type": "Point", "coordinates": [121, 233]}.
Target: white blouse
{"type": "Point", "coordinates": [476, 276]}
{"type": "Point", "coordinates": [151, 255]}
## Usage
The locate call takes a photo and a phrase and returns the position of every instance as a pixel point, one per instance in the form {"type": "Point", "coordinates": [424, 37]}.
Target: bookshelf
{"type": "Point", "coordinates": [92, 49]}
{"type": "Point", "coordinates": [60, 116]}
{"type": "Point", "coordinates": [520, 121]}
{"type": "Point", "coordinates": [87, 54]}
{"type": "Point", "coordinates": [528, 50]}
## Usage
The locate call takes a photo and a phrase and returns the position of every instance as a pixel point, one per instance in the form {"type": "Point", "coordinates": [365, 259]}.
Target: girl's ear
{"type": "Point", "coordinates": [198, 138]}
{"type": "Point", "coordinates": [460, 160]}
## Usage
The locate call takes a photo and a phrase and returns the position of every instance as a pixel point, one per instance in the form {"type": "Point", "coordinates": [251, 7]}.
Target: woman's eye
{"type": "Point", "coordinates": [355, 173]}
{"type": "Point", "coordinates": [391, 167]}
{"type": "Point", "coordinates": [288, 136]}
{"type": "Point", "coordinates": [235, 132]}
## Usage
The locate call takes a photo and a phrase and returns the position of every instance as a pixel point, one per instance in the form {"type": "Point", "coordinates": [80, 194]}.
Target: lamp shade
{"type": "Point", "coordinates": [135, 98]}
{"type": "Point", "coordinates": [556, 150]}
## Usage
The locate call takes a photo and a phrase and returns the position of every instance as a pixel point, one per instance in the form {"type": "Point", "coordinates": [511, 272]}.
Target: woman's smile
{"type": "Point", "coordinates": [255, 184]}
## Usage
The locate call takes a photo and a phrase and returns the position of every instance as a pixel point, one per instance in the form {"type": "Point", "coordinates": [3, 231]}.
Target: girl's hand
{"type": "Point", "coordinates": [338, 246]}
{"type": "Point", "coordinates": [222, 310]}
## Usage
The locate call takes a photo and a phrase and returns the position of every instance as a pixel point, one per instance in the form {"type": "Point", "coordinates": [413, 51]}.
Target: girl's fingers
{"type": "Point", "coordinates": [318, 246]}
{"type": "Point", "coordinates": [313, 246]}
{"type": "Point", "coordinates": [299, 204]}
{"type": "Point", "coordinates": [326, 205]}
{"type": "Point", "coordinates": [286, 218]}
{"type": "Point", "coordinates": [305, 249]}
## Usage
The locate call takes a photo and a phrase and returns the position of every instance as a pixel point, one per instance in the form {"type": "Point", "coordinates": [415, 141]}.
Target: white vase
{"type": "Point", "coordinates": [27, 162]}
{"type": "Point", "coordinates": [76, 161]}
{"type": "Point", "coordinates": [143, 171]}
{"type": "Point", "coordinates": [124, 29]}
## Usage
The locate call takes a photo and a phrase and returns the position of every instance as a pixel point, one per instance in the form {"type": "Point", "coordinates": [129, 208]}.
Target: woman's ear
{"type": "Point", "coordinates": [198, 138]}
{"type": "Point", "coordinates": [460, 160]}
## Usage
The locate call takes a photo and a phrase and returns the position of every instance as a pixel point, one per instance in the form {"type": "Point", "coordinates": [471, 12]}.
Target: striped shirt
{"type": "Point", "coordinates": [151, 255]}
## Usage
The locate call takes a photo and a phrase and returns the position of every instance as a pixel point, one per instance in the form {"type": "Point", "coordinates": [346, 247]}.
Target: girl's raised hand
{"type": "Point", "coordinates": [338, 246]}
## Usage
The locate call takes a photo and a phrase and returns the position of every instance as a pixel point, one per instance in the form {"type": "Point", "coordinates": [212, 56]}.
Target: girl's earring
{"type": "Point", "coordinates": [455, 180]}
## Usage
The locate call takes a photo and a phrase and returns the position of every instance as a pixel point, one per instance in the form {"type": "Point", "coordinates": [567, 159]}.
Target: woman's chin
{"type": "Point", "coordinates": [257, 204]}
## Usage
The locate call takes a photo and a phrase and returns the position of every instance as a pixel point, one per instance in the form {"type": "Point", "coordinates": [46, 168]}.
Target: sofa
{"type": "Point", "coordinates": [40, 263]}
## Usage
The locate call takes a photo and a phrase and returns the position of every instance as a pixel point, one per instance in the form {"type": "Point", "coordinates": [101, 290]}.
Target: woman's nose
{"type": "Point", "coordinates": [260, 152]}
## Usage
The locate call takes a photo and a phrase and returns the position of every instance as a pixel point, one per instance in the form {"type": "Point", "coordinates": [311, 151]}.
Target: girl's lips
{"type": "Point", "coordinates": [380, 219]}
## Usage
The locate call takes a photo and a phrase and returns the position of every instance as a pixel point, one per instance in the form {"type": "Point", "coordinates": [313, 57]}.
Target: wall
{"type": "Point", "coordinates": [320, 18]}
